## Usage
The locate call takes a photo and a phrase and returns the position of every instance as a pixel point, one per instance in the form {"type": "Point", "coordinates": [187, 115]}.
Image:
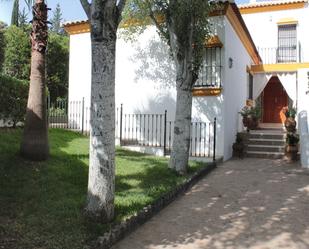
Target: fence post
{"type": "Point", "coordinates": [120, 133]}
{"type": "Point", "coordinates": [83, 114]}
{"type": "Point", "coordinates": [164, 141]}
{"type": "Point", "coordinates": [48, 107]}
{"type": "Point", "coordinates": [214, 145]}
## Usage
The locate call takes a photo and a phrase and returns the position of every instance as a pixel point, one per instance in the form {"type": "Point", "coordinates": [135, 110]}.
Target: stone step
{"type": "Point", "coordinates": [265, 148]}
{"type": "Point", "coordinates": [270, 155]}
{"type": "Point", "coordinates": [263, 141]}
{"type": "Point", "coordinates": [276, 136]}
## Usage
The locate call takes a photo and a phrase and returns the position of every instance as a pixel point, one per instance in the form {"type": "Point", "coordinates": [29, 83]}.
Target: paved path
{"type": "Point", "coordinates": [250, 203]}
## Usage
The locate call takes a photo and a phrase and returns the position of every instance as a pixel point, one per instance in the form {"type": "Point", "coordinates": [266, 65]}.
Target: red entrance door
{"type": "Point", "coordinates": [274, 100]}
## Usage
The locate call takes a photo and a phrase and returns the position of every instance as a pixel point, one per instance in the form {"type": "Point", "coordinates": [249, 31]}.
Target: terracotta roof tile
{"type": "Point", "coordinates": [269, 3]}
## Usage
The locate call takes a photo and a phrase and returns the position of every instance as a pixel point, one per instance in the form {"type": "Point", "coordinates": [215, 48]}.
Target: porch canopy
{"type": "Point", "coordinates": [288, 80]}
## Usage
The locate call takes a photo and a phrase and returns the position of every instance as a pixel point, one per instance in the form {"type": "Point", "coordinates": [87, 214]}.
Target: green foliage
{"type": "Point", "coordinates": [292, 139]}
{"type": "Point", "coordinates": [13, 99]}
{"type": "Point", "coordinates": [57, 65]}
{"type": "Point", "coordinates": [17, 58]}
{"type": "Point", "coordinates": [15, 13]}
{"type": "Point", "coordinates": [290, 112]}
{"type": "Point", "coordinates": [251, 112]}
{"type": "Point", "coordinates": [42, 203]}
{"type": "Point", "coordinates": [2, 45]}
{"type": "Point", "coordinates": [17, 55]}
{"type": "Point", "coordinates": [56, 21]}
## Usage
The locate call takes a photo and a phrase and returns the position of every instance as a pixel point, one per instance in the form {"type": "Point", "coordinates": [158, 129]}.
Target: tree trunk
{"type": "Point", "coordinates": [182, 53]}
{"type": "Point", "coordinates": [181, 142]}
{"type": "Point", "coordinates": [34, 143]}
{"type": "Point", "coordinates": [101, 182]}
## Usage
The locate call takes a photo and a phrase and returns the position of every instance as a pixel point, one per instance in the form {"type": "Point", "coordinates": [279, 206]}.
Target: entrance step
{"type": "Point", "coordinates": [270, 155]}
{"type": "Point", "coordinates": [266, 143]}
{"type": "Point", "coordinates": [261, 141]}
{"type": "Point", "coordinates": [265, 148]}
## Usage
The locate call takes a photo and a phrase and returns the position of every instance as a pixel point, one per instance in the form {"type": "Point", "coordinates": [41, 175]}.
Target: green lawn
{"type": "Point", "coordinates": [41, 204]}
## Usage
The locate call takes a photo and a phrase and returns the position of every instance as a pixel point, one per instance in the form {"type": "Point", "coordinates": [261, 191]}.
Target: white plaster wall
{"type": "Point", "coordinates": [145, 79]}
{"type": "Point", "coordinates": [303, 90]}
{"type": "Point", "coordinates": [145, 75]}
{"type": "Point", "coordinates": [235, 88]}
{"type": "Point", "coordinates": [80, 68]}
{"type": "Point", "coordinates": [207, 108]}
{"type": "Point", "coordinates": [263, 28]}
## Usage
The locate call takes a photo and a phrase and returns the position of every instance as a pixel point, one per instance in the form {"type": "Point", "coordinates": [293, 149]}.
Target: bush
{"type": "Point", "coordinates": [17, 54]}
{"type": "Point", "coordinates": [13, 99]}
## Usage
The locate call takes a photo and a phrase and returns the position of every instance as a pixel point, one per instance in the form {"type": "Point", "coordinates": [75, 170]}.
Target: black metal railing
{"type": "Point", "coordinates": [283, 54]}
{"type": "Point", "coordinates": [154, 130]}
{"type": "Point", "coordinates": [148, 130]}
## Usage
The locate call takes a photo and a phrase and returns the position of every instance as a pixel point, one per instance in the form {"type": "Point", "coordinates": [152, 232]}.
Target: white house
{"type": "Point", "coordinates": [233, 71]}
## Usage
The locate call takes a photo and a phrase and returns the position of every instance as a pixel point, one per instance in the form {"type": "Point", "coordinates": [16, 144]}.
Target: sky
{"type": "Point", "coordinates": [71, 9]}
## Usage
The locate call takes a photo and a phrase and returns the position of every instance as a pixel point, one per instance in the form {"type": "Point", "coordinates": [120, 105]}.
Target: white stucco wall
{"type": "Point", "coordinates": [145, 79]}
{"type": "Point", "coordinates": [80, 68]}
{"type": "Point", "coordinates": [263, 28]}
{"type": "Point", "coordinates": [235, 86]}
{"type": "Point", "coordinates": [303, 90]}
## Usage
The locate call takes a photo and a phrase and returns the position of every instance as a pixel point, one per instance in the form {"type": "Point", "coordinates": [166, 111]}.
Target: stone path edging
{"type": "Point", "coordinates": [119, 231]}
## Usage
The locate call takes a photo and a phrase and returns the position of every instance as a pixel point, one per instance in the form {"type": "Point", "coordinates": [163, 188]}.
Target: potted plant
{"type": "Point", "coordinates": [251, 116]}
{"type": "Point", "coordinates": [291, 148]}
{"type": "Point", "coordinates": [238, 146]}
{"type": "Point", "coordinates": [290, 123]}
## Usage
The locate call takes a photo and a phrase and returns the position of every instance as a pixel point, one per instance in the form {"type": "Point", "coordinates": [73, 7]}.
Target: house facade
{"type": "Point", "coordinates": [279, 31]}
{"type": "Point", "coordinates": [233, 70]}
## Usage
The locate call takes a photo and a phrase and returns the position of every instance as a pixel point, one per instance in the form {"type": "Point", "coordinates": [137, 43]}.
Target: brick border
{"type": "Point", "coordinates": [119, 231]}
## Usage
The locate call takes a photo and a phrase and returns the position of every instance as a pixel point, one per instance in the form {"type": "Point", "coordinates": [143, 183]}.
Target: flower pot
{"type": "Point", "coordinates": [238, 149]}
{"type": "Point", "coordinates": [290, 124]}
{"type": "Point", "coordinates": [251, 123]}
{"type": "Point", "coordinates": [291, 152]}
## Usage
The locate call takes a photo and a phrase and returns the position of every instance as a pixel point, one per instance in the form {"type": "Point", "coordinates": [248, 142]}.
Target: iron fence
{"type": "Point", "coordinates": [148, 130]}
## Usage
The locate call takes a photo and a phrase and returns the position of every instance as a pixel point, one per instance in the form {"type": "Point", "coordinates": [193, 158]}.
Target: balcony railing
{"type": "Point", "coordinates": [287, 54]}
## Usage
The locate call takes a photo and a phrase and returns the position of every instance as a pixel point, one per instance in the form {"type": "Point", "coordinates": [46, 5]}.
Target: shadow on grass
{"type": "Point", "coordinates": [42, 203]}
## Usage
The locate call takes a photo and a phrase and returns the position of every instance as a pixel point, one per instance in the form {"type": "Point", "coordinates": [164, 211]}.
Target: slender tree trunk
{"type": "Point", "coordinates": [34, 143]}
{"type": "Point", "coordinates": [101, 182]}
{"type": "Point", "coordinates": [181, 143]}
{"type": "Point", "coordinates": [182, 53]}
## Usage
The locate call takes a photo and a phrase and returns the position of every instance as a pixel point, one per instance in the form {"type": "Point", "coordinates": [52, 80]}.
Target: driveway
{"type": "Point", "coordinates": [250, 203]}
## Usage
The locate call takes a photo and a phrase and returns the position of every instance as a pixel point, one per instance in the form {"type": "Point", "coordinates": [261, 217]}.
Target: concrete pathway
{"type": "Point", "coordinates": [250, 203]}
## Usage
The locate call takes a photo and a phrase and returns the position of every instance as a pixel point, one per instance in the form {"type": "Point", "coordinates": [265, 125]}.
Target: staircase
{"type": "Point", "coordinates": [266, 143]}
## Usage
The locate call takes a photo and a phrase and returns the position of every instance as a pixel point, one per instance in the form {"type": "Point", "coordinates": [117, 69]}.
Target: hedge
{"type": "Point", "coordinates": [13, 99]}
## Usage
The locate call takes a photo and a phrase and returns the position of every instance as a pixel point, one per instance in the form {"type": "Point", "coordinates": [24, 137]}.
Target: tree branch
{"type": "Point", "coordinates": [153, 18]}
{"type": "Point", "coordinates": [86, 6]}
{"type": "Point", "coordinates": [120, 7]}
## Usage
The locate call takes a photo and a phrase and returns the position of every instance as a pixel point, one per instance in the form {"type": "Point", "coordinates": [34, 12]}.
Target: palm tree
{"type": "Point", "coordinates": [34, 143]}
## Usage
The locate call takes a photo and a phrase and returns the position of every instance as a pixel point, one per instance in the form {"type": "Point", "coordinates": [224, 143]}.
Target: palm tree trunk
{"type": "Point", "coordinates": [34, 145]}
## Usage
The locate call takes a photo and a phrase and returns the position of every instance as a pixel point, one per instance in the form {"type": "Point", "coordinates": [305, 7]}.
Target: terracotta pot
{"type": "Point", "coordinates": [291, 152]}
{"type": "Point", "coordinates": [290, 124]}
{"type": "Point", "coordinates": [238, 149]}
{"type": "Point", "coordinates": [245, 121]}
{"type": "Point", "coordinates": [250, 123]}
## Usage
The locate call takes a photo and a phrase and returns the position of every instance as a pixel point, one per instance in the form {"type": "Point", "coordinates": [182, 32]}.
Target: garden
{"type": "Point", "coordinates": [42, 204]}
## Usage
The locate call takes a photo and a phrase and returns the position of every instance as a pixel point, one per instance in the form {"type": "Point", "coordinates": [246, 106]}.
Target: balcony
{"type": "Point", "coordinates": [282, 54]}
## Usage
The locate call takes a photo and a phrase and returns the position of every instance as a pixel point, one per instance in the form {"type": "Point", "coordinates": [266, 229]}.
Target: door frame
{"type": "Point", "coordinates": [263, 103]}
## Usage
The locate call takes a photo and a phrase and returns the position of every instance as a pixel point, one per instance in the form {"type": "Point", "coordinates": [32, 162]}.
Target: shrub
{"type": "Point", "coordinates": [292, 139]}
{"type": "Point", "coordinates": [13, 99]}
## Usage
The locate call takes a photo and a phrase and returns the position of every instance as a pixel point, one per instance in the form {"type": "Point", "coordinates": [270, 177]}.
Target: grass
{"type": "Point", "coordinates": [41, 204]}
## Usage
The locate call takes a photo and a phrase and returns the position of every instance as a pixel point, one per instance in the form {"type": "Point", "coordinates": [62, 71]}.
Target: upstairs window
{"type": "Point", "coordinates": [210, 72]}
{"type": "Point", "coordinates": [287, 43]}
